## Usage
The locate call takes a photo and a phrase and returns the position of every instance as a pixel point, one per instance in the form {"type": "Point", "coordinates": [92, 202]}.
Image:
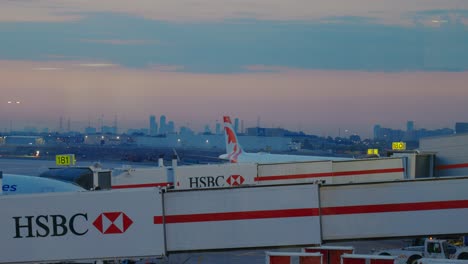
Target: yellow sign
{"type": "Point", "coordinates": [372, 151]}
{"type": "Point", "coordinates": [65, 160]}
{"type": "Point", "coordinates": [398, 145]}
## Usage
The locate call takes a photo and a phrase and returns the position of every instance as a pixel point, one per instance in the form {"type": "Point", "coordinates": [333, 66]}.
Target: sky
{"type": "Point", "coordinates": [316, 66]}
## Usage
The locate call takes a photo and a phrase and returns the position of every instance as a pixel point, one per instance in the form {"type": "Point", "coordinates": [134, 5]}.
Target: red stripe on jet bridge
{"type": "Point", "coordinates": [327, 174]}
{"type": "Point", "coordinates": [452, 166]}
{"type": "Point", "coordinates": [143, 185]}
{"type": "Point", "coordinates": [386, 208]}
{"type": "Point", "coordinates": [231, 216]}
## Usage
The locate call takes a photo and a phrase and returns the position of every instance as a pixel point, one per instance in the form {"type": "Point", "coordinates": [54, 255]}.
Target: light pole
{"type": "Point", "coordinates": [11, 120]}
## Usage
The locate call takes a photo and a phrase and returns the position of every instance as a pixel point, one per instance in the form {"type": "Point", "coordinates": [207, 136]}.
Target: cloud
{"type": "Point", "coordinates": [119, 41]}
{"type": "Point", "coordinates": [350, 20]}
{"type": "Point", "coordinates": [440, 17]}
{"type": "Point", "coordinates": [59, 57]}
{"type": "Point", "coordinates": [36, 11]}
{"type": "Point", "coordinates": [66, 66]}
{"type": "Point", "coordinates": [266, 68]}
{"type": "Point", "coordinates": [438, 12]}
{"type": "Point", "coordinates": [388, 11]}
{"type": "Point", "coordinates": [97, 65]}
{"type": "Point", "coordinates": [47, 68]}
{"type": "Point", "coordinates": [166, 68]}
{"type": "Point", "coordinates": [229, 46]}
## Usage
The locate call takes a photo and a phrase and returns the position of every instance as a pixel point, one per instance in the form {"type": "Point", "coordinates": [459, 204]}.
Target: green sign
{"type": "Point", "coordinates": [65, 159]}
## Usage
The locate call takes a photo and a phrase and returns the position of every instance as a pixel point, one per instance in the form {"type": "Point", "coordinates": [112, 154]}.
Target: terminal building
{"type": "Point", "coordinates": [22, 140]}
{"type": "Point", "coordinates": [214, 142]}
{"type": "Point", "coordinates": [461, 128]}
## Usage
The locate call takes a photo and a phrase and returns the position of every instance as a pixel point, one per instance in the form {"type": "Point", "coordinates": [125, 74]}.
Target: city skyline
{"type": "Point", "coordinates": [309, 66]}
{"type": "Point", "coordinates": [153, 128]}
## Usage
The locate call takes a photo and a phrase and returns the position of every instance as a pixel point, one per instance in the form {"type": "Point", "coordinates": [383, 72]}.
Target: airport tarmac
{"type": "Point", "coordinates": [258, 256]}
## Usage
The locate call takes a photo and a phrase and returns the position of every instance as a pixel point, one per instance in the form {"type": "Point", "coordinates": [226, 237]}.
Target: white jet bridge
{"type": "Point", "coordinates": [122, 224]}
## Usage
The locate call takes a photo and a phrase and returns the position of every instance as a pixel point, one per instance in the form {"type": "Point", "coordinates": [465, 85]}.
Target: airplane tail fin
{"type": "Point", "coordinates": [233, 148]}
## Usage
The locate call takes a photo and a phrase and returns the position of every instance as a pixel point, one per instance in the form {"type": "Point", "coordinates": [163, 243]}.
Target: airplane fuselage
{"type": "Point", "coordinates": [277, 158]}
{"type": "Point", "coordinates": [24, 184]}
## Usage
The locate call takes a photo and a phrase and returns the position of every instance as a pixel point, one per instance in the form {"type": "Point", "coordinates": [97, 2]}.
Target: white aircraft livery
{"type": "Point", "coordinates": [24, 184]}
{"type": "Point", "coordinates": [235, 153]}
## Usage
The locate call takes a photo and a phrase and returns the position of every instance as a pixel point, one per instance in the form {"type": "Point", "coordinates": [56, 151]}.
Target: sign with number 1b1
{"type": "Point", "coordinates": [65, 160]}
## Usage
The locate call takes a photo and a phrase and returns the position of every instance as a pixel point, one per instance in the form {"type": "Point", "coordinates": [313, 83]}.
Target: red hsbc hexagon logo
{"type": "Point", "coordinates": [112, 223]}
{"type": "Point", "coordinates": [235, 180]}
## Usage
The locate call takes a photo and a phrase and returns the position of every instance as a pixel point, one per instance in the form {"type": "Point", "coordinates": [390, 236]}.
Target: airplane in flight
{"type": "Point", "coordinates": [235, 153]}
{"type": "Point", "coordinates": [13, 184]}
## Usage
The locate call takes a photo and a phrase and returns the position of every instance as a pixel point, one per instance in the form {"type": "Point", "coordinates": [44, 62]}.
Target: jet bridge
{"type": "Point", "coordinates": [148, 222]}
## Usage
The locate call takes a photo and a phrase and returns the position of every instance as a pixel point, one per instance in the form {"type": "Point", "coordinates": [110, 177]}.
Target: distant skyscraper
{"type": "Point", "coordinates": [153, 126]}
{"type": "Point", "coordinates": [236, 125]}
{"type": "Point", "coordinates": [410, 134]}
{"type": "Point", "coordinates": [162, 125]}
{"type": "Point", "coordinates": [170, 127]}
{"type": "Point", "coordinates": [410, 126]}
{"type": "Point", "coordinates": [207, 129]}
{"type": "Point", "coordinates": [377, 131]}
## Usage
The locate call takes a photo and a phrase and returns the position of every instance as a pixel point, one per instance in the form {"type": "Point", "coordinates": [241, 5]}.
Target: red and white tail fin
{"type": "Point", "coordinates": [233, 148]}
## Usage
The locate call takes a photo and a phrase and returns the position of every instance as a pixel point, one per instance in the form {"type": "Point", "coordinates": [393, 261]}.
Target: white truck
{"type": "Point", "coordinates": [432, 249]}
{"type": "Point", "coordinates": [442, 261]}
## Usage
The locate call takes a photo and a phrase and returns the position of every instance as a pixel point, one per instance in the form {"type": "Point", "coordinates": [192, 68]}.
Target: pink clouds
{"type": "Point", "coordinates": [318, 102]}
{"type": "Point", "coordinates": [27, 11]}
{"type": "Point", "coordinates": [119, 41]}
{"type": "Point", "coordinates": [387, 11]}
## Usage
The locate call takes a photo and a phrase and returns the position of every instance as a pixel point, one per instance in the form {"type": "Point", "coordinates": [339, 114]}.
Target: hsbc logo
{"type": "Point", "coordinates": [49, 225]}
{"type": "Point", "coordinates": [235, 180]}
{"type": "Point", "coordinates": [112, 223]}
{"type": "Point", "coordinates": [62, 225]}
{"type": "Point", "coordinates": [215, 181]}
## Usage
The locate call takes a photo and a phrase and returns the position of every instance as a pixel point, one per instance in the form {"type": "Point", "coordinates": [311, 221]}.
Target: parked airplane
{"type": "Point", "coordinates": [235, 153]}
{"type": "Point", "coordinates": [24, 184]}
